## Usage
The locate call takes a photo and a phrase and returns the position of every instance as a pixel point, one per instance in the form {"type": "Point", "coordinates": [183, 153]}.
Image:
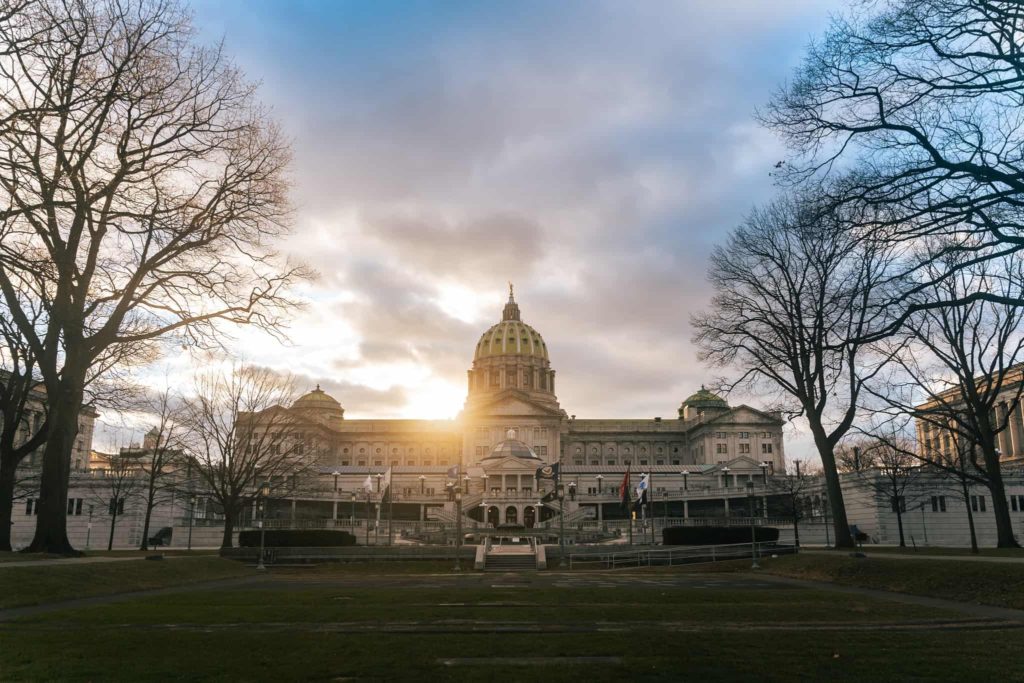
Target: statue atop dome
{"type": "Point", "coordinates": [511, 311]}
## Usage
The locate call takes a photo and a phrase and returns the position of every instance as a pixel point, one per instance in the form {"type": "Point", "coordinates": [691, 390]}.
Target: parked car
{"type": "Point", "coordinates": [162, 537]}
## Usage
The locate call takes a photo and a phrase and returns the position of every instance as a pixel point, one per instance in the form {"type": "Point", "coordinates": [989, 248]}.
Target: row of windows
{"type": "Point", "coordinates": [723, 449]}
{"type": "Point", "coordinates": [742, 435]}
{"type": "Point", "coordinates": [362, 462]}
{"type": "Point", "coordinates": [74, 506]}
{"type": "Point", "coordinates": [595, 450]}
{"type": "Point", "coordinates": [627, 461]}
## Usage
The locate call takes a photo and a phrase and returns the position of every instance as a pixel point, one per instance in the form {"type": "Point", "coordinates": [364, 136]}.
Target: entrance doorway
{"type": "Point", "coordinates": [511, 515]}
{"type": "Point", "coordinates": [529, 517]}
{"type": "Point", "coordinates": [492, 516]}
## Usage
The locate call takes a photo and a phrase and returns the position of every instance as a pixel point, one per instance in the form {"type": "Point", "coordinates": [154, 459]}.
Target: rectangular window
{"type": "Point", "coordinates": [744, 435]}
{"type": "Point", "coordinates": [744, 448]}
{"type": "Point", "coordinates": [30, 506]}
{"type": "Point", "coordinates": [766, 448]}
{"type": "Point", "coordinates": [938, 503]}
{"type": "Point", "coordinates": [766, 435]}
{"type": "Point", "coordinates": [899, 503]}
{"type": "Point", "coordinates": [719, 435]}
{"type": "Point", "coordinates": [721, 448]}
{"type": "Point", "coordinates": [71, 506]}
{"type": "Point", "coordinates": [978, 503]}
{"type": "Point", "coordinates": [1013, 503]}
{"type": "Point", "coordinates": [78, 506]}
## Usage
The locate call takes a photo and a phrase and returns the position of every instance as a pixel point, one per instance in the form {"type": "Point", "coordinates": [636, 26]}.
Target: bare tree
{"type": "Point", "coordinates": [22, 417]}
{"type": "Point", "coordinates": [241, 435]}
{"type": "Point", "coordinates": [961, 376]}
{"type": "Point", "coordinates": [161, 455]}
{"type": "Point", "coordinates": [886, 467]}
{"type": "Point", "coordinates": [121, 483]}
{"type": "Point", "coordinates": [917, 104]}
{"type": "Point", "coordinates": [142, 191]}
{"type": "Point", "coordinates": [792, 486]}
{"type": "Point", "coordinates": [795, 293]}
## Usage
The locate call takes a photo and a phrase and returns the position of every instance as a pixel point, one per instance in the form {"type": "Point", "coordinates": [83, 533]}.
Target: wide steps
{"type": "Point", "coordinates": [510, 563]}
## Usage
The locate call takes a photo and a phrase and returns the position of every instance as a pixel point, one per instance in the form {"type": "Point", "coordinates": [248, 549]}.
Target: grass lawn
{"type": "Point", "coordinates": [35, 585]}
{"type": "Point", "coordinates": [301, 626]}
{"type": "Point", "coordinates": [989, 583]}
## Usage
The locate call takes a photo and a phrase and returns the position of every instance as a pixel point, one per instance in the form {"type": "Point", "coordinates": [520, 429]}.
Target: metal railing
{"type": "Point", "coordinates": [649, 557]}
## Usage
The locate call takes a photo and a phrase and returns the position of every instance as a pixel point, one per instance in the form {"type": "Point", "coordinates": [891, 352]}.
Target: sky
{"type": "Point", "coordinates": [592, 153]}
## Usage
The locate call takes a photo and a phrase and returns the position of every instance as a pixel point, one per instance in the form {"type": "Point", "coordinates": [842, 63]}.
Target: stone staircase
{"type": "Point", "coordinates": [500, 562]}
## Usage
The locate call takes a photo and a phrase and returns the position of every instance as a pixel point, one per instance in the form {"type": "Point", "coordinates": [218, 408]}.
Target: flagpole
{"type": "Point", "coordinates": [391, 499]}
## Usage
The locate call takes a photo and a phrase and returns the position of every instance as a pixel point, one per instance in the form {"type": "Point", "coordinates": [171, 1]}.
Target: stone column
{"type": "Point", "coordinates": [294, 502]}
{"type": "Point", "coordinates": [1017, 430]}
{"type": "Point", "coordinates": [726, 506]}
{"type": "Point", "coordinates": [334, 512]}
{"type": "Point", "coordinates": [686, 509]}
{"type": "Point", "coordinates": [1004, 435]}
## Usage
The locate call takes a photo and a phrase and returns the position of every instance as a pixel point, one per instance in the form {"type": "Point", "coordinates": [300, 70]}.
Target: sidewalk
{"type": "Point", "coordinates": [915, 556]}
{"type": "Point", "coordinates": [62, 561]}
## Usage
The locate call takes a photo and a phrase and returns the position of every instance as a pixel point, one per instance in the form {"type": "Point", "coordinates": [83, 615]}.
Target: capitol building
{"type": "Point", "coordinates": [511, 425]}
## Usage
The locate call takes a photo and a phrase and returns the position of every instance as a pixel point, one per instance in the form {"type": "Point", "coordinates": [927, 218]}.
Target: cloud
{"type": "Point", "coordinates": [592, 152]}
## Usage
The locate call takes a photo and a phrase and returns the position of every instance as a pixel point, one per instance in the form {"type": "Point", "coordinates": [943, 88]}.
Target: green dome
{"type": "Point", "coordinates": [319, 400]}
{"type": "Point", "coordinates": [511, 337]}
{"type": "Point", "coordinates": [706, 399]}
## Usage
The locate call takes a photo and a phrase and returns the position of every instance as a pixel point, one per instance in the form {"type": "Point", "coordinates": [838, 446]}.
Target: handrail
{"type": "Point", "coordinates": [679, 554]}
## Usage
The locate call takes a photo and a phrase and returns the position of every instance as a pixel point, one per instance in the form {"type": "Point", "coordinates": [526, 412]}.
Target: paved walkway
{"type": "Point", "coordinates": [918, 556]}
{"type": "Point", "coordinates": [97, 559]}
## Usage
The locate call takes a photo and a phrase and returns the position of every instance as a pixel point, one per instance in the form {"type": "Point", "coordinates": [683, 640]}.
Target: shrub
{"type": "Point", "coordinates": [296, 538]}
{"type": "Point", "coordinates": [717, 535]}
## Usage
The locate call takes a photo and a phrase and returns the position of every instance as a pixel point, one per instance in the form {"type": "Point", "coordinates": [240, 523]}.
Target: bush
{"type": "Point", "coordinates": [296, 538]}
{"type": "Point", "coordinates": [717, 535]}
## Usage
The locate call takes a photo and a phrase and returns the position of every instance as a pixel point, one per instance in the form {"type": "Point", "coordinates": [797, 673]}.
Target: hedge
{"type": "Point", "coordinates": [296, 538]}
{"type": "Point", "coordinates": [717, 535]}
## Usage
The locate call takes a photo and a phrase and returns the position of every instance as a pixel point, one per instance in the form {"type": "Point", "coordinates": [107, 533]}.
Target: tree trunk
{"type": "Point", "coordinates": [229, 530]}
{"type": "Point", "coordinates": [899, 524]}
{"type": "Point", "coordinates": [7, 479]}
{"type": "Point", "coordinates": [835, 491]}
{"type": "Point", "coordinates": [113, 524]}
{"type": "Point", "coordinates": [51, 523]}
{"type": "Point", "coordinates": [1001, 509]}
{"type": "Point", "coordinates": [149, 514]}
{"type": "Point", "coordinates": [970, 515]}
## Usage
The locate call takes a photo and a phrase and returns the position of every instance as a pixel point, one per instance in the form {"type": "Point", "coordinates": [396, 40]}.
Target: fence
{"type": "Point", "coordinates": [649, 557]}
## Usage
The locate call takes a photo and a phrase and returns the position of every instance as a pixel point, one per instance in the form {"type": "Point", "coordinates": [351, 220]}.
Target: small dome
{"type": "Point", "coordinates": [317, 399]}
{"type": "Point", "coordinates": [705, 399]}
{"type": "Point", "coordinates": [512, 447]}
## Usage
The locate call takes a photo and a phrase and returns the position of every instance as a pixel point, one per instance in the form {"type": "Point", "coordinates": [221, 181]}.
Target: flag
{"type": "Point", "coordinates": [624, 492]}
{"type": "Point", "coordinates": [547, 472]}
{"type": "Point", "coordinates": [453, 472]}
{"type": "Point", "coordinates": [368, 484]}
{"type": "Point", "coordinates": [386, 486]}
{"type": "Point", "coordinates": [641, 493]}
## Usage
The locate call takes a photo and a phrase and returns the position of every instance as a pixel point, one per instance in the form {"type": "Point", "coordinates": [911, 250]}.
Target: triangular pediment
{"type": "Point", "coordinates": [513, 403]}
{"type": "Point", "coordinates": [510, 464]}
{"type": "Point", "coordinates": [744, 414]}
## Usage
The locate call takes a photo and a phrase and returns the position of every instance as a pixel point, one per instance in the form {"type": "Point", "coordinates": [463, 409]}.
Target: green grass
{"type": "Point", "coordinates": [33, 585]}
{"type": "Point", "coordinates": [294, 628]}
{"type": "Point", "coordinates": [989, 583]}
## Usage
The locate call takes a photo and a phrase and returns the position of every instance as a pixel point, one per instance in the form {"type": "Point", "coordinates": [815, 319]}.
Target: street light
{"type": "Point", "coordinates": [764, 473]}
{"type": "Point", "coordinates": [484, 477]}
{"type": "Point", "coordinates": [352, 519]}
{"type": "Point", "coordinates": [88, 530]}
{"type": "Point", "coordinates": [261, 509]}
{"type": "Point", "coordinates": [423, 483]}
{"type": "Point", "coordinates": [572, 490]}
{"type": "Point", "coordinates": [753, 534]}
{"type": "Point", "coordinates": [458, 527]}
{"type": "Point", "coordinates": [336, 474]}
{"type": "Point", "coordinates": [465, 484]}
{"type": "Point", "coordinates": [560, 492]}
{"type": "Point", "coordinates": [600, 479]}
{"type": "Point", "coordinates": [191, 517]}
{"type": "Point", "coordinates": [686, 476]}
{"type": "Point", "coordinates": [725, 476]}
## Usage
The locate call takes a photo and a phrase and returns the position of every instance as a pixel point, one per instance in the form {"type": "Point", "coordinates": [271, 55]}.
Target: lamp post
{"type": "Point", "coordinates": [824, 506]}
{"type": "Point", "coordinates": [572, 490]}
{"type": "Point", "coordinates": [465, 484]}
{"type": "Point", "coordinates": [261, 509]}
{"type": "Point", "coordinates": [458, 528]}
{"type": "Point", "coordinates": [352, 518]}
{"type": "Point", "coordinates": [561, 522]}
{"type": "Point", "coordinates": [336, 474]}
{"type": "Point", "coordinates": [764, 473]}
{"type": "Point", "coordinates": [191, 517]}
{"type": "Point", "coordinates": [753, 531]}
{"type": "Point", "coordinates": [423, 483]}
{"type": "Point", "coordinates": [686, 476]}
{"type": "Point", "coordinates": [484, 477]}
{"type": "Point", "coordinates": [725, 477]}
{"type": "Point", "coordinates": [88, 529]}
{"type": "Point", "coordinates": [600, 479]}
